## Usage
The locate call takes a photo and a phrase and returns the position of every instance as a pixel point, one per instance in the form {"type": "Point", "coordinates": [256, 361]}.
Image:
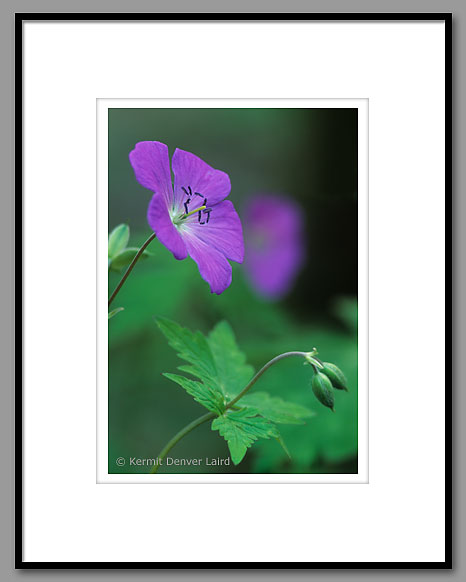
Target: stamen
{"type": "Point", "coordinates": [201, 210]}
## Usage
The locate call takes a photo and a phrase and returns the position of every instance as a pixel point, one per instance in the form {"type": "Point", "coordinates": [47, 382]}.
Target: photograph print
{"type": "Point", "coordinates": [232, 290]}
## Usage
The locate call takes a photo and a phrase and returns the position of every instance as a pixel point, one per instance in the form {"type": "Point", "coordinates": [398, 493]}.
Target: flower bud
{"type": "Point", "coordinates": [323, 391]}
{"type": "Point", "coordinates": [335, 375]}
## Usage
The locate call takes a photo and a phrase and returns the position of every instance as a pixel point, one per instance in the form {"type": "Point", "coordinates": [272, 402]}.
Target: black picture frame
{"type": "Point", "coordinates": [20, 18]}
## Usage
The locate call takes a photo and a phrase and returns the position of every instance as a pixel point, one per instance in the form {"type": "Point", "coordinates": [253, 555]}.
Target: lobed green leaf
{"type": "Point", "coordinates": [233, 371]}
{"type": "Point", "coordinates": [275, 409]}
{"type": "Point", "coordinates": [241, 429]}
{"type": "Point", "coordinates": [207, 395]}
{"type": "Point", "coordinates": [191, 347]}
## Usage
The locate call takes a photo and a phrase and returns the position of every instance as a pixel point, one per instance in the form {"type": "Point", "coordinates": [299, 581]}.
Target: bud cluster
{"type": "Point", "coordinates": [326, 378]}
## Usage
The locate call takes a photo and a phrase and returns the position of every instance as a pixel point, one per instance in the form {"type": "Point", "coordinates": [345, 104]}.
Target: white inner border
{"type": "Point", "coordinates": [399, 515]}
{"type": "Point", "coordinates": [102, 290]}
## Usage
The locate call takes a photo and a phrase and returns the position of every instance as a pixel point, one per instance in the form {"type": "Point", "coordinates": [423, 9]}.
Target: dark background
{"type": "Point", "coordinates": [309, 155]}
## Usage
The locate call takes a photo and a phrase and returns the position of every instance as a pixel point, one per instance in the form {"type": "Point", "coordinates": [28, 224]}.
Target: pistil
{"type": "Point", "coordinates": [192, 212]}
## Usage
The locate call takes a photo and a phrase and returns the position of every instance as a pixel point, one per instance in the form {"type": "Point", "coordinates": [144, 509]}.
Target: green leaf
{"type": "Point", "coordinates": [241, 429]}
{"type": "Point", "coordinates": [118, 239]}
{"type": "Point", "coordinates": [115, 311]}
{"type": "Point", "coordinates": [124, 258]}
{"type": "Point", "coordinates": [233, 371]}
{"type": "Point", "coordinates": [207, 395]}
{"type": "Point", "coordinates": [191, 347]}
{"type": "Point", "coordinates": [275, 409]}
{"type": "Point", "coordinates": [281, 442]}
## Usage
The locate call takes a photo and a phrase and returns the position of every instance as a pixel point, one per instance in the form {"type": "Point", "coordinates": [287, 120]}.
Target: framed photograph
{"type": "Point", "coordinates": [279, 242]}
{"type": "Point", "coordinates": [228, 290]}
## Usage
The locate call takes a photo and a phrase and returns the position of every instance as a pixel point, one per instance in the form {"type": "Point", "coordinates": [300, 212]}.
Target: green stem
{"type": "Point", "coordinates": [130, 268]}
{"type": "Point", "coordinates": [179, 435]}
{"type": "Point", "coordinates": [260, 372]}
{"type": "Point", "coordinates": [211, 415]}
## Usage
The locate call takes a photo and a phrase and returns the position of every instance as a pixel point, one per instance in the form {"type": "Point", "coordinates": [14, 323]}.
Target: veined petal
{"type": "Point", "coordinates": [159, 220]}
{"type": "Point", "coordinates": [151, 167]}
{"type": "Point", "coordinates": [213, 266]}
{"type": "Point", "coordinates": [219, 228]}
{"type": "Point", "coordinates": [195, 181]}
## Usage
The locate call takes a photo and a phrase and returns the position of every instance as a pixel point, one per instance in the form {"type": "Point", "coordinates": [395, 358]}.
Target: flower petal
{"type": "Point", "coordinates": [151, 167]}
{"type": "Point", "coordinates": [213, 266]}
{"type": "Point", "coordinates": [159, 220]}
{"type": "Point", "coordinates": [204, 181]}
{"type": "Point", "coordinates": [221, 229]}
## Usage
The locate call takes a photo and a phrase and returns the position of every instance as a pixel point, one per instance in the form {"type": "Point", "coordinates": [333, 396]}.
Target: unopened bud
{"type": "Point", "coordinates": [323, 391]}
{"type": "Point", "coordinates": [335, 375]}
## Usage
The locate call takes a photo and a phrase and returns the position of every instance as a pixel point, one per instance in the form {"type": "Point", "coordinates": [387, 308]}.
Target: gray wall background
{"type": "Point", "coordinates": [9, 294]}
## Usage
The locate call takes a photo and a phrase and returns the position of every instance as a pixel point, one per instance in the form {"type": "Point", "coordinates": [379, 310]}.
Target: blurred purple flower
{"type": "Point", "coordinates": [192, 217]}
{"type": "Point", "coordinates": [274, 244]}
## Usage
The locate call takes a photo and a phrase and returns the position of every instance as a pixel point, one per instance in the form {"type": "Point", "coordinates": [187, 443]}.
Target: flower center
{"type": "Point", "coordinates": [202, 211]}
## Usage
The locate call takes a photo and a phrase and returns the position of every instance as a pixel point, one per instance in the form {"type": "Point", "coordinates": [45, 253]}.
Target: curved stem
{"type": "Point", "coordinates": [260, 372]}
{"type": "Point", "coordinates": [211, 415]}
{"type": "Point", "coordinates": [179, 435]}
{"type": "Point", "coordinates": [130, 268]}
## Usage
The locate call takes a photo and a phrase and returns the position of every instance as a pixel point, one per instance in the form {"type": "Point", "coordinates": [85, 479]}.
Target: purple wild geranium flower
{"type": "Point", "coordinates": [192, 217]}
{"type": "Point", "coordinates": [274, 242]}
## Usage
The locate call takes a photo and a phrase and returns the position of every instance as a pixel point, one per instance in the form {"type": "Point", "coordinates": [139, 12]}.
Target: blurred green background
{"type": "Point", "coordinates": [309, 155]}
